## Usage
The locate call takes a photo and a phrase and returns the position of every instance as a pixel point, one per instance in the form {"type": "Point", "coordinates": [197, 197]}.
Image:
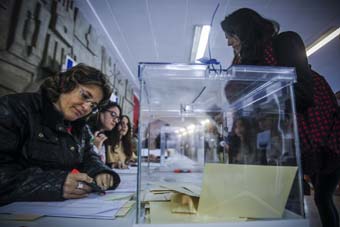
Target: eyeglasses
{"type": "Point", "coordinates": [114, 115]}
{"type": "Point", "coordinates": [86, 97]}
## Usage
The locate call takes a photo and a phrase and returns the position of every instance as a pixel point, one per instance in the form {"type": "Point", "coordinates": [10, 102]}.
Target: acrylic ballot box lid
{"type": "Point", "coordinates": [185, 88]}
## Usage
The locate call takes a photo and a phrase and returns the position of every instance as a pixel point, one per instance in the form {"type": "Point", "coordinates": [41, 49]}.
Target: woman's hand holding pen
{"type": "Point", "coordinates": [99, 139]}
{"type": "Point", "coordinates": [74, 188]}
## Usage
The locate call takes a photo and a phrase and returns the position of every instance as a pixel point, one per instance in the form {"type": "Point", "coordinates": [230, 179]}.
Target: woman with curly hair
{"type": "Point", "coordinates": [44, 136]}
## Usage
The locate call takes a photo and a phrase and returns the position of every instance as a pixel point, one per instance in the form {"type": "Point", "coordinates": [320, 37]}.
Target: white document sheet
{"type": "Point", "coordinates": [128, 183]}
{"type": "Point", "coordinates": [130, 170]}
{"type": "Point", "coordinates": [94, 206]}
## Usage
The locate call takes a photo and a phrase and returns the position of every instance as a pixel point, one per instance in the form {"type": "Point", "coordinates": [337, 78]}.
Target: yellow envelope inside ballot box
{"type": "Point", "coordinates": [181, 203]}
{"type": "Point", "coordinates": [245, 191]}
{"type": "Point", "coordinates": [160, 213]}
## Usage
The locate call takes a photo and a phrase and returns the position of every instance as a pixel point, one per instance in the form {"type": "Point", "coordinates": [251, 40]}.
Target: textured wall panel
{"type": "Point", "coordinates": [28, 33]}
{"type": "Point", "coordinates": [14, 78]}
{"type": "Point", "coordinates": [81, 54]}
{"type": "Point", "coordinates": [106, 62]}
{"type": "Point", "coordinates": [86, 34]}
{"type": "Point", "coordinates": [6, 8]}
{"type": "Point", "coordinates": [62, 21]}
{"type": "Point", "coordinates": [36, 36]}
{"type": "Point", "coordinates": [128, 108]}
{"type": "Point", "coordinates": [120, 85]}
{"type": "Point", "coordinates": [55, 52]}
{"type": "Point", "coordinates": [129, 93]}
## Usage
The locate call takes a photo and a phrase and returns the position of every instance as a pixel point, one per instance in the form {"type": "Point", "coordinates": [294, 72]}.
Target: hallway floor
{"type": "Point", "coordinates": [312, 212]}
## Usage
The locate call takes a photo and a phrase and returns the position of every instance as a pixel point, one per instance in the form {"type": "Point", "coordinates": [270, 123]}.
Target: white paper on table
{"type": "Point", "coordinates": [130, 170]}
{"type": "Point", "coordinates": [128, 183]}
{"type": "Point", "coordinates": [94, 206]}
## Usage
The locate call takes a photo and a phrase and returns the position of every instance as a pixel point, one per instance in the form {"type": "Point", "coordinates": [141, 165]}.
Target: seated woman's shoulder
{"type": "Point", "coordinates": [18, 102]}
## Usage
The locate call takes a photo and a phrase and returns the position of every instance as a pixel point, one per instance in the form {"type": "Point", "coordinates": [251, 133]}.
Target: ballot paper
{"type": "Point", "coordinates": [125, 209]}
{"type": "Point", "coordinates": [181, 187]}
{"type": "Point", "coordinates": [160, 213]}
{"type": "Point", "coordinates": [94, 206]}
{"type": "Point", "coordinates": [230, 193]}
{"type": "Point", "coordinates": [247, 191]}
{"type": "Point", "coordinates": [148, 196]}
{"type": "Point", "coordinates": [181, 203]}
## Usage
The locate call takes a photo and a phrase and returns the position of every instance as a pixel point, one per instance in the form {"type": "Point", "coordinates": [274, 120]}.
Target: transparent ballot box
{"type": "Point", "coordinates": [218, 146]}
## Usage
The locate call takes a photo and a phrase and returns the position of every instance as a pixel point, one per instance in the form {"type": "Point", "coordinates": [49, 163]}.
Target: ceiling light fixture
{"type": "Point", "coordinates": [323, 40]}
{"type": "Point", "coordinates": [201, 37]}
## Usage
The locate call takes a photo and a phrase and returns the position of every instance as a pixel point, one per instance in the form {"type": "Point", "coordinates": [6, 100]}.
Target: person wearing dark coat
{"type": "Point", "coordinates": [44, 136]}
{"type": "Point", "coordinates": [257, 41]}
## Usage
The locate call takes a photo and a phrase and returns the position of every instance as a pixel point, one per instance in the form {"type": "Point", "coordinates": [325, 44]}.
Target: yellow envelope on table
{"type": "Point", "coordinates": [248, 191]}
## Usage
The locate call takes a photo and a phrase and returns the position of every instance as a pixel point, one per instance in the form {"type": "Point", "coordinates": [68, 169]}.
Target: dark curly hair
{"type": "Point", "coordinates": [65, 82]}
{"type": "Point", "coordinates": [95, 124]}
{"type": "Point", "coordinates": [104, 108]}
{"type": "Point", "coordinates": [253, 30]}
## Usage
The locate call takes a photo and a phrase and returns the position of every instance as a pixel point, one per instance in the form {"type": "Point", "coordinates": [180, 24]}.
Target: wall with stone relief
{"type": "Point", "coordinates": [37, 35]}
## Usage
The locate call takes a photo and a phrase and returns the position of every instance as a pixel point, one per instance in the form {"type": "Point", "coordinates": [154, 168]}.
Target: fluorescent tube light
{"type": "Point", "coordinates": [202, 45]}
{"type": "Point", "coordinates": [201, 37]}
{"type": "Point", "coordinates": [323, 40]}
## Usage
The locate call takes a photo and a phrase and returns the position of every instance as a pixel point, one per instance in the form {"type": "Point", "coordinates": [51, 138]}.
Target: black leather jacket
{"type": "Point", "coordinates": [37, 152]}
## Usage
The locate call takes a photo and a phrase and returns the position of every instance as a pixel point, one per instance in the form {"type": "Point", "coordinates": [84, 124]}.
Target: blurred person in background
{"type": "Point", "coordinates": [122, 154]}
